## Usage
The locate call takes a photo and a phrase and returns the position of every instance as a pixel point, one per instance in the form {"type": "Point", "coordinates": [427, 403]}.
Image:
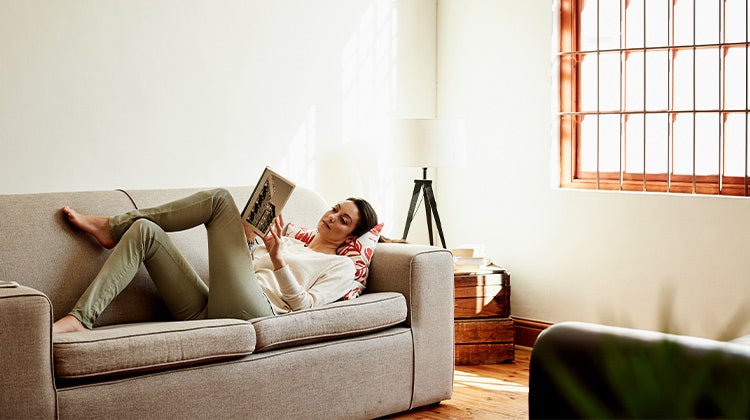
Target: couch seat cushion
{"type": "Point", "coordinates": [129, 348]}
{"type": "Point", "coordinates": [367, 313]}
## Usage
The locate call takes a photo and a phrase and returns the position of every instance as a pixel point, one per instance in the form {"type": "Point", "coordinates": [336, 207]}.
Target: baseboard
{"type": "Point", "coordinates": [527, 330]}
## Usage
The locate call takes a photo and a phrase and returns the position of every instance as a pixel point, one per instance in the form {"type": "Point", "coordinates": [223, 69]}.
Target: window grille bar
{"type": "Point", "coordinates": [695, 90]}
{"type": "Point", "coordinates": [710, 46]}
{"type": "Point", "coordinates": [598, 95]}
{"type": "Point", "coordinates": [645, 92]}
{"type": "Point", "coordinates": [624, 85]}
{"type": "Point", "coordinates": [720, 98]}
{"type": "Point", "coordinates": [670, 95]}
{"type": "Point", "coordinates": [656, 112]}
{"type": "Point", "coordinates": [623, 118]}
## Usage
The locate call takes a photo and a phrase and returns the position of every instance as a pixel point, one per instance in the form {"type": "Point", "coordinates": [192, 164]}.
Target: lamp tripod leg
{"type": "Point", "coordinates": [412, 206]}
{"type": "Point", "coordinates": [432, 204]}
{"type": "Point", "coordinates": [428, 210]}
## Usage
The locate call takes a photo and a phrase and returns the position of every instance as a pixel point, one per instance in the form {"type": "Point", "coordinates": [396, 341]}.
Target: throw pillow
{"type": "Point", "coordinates": [360, 250]}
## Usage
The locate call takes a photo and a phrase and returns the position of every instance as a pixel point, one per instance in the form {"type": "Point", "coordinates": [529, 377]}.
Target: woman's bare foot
{"type": "Point", "coordinates": [97, 226]}
{"type": "Point", "coordinates": [67, 324]}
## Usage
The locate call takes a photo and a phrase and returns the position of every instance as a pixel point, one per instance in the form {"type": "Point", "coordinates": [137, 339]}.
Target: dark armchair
{"type": "Point", "coordinates": [581, 370]}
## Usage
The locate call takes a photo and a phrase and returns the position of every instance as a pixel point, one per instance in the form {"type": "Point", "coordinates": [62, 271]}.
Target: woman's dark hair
{"type": "Point", "coordinates": [368, 218]}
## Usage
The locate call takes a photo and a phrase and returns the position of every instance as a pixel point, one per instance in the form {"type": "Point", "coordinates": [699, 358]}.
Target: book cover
{"type": "Point", "coordinates": [267, 200]}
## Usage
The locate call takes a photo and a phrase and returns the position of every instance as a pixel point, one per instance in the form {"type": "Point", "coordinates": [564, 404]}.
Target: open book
{"type": "Point", "coordinates": [268, 198]}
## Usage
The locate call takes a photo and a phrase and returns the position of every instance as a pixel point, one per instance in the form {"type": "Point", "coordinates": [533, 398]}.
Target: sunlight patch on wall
{"type": "Point", "coordinates": [300, 165]}
{"type": "Point", "coordinates": [368, 87]}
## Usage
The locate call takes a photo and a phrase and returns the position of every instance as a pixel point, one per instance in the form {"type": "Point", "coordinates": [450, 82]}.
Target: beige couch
{"type": "Point", "coordinates": [388, 351]}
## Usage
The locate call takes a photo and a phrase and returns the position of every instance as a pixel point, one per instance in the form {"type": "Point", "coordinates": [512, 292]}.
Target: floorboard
{"type": "Point", "coordinates": [498, 391]}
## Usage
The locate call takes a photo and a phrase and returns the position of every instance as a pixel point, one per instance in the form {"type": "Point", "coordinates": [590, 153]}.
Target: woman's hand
{"type": "Point", "coordinates": [272, 241]}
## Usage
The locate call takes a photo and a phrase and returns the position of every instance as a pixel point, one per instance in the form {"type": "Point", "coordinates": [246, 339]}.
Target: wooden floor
{"type": "Point", "coordinates": [484, 392]}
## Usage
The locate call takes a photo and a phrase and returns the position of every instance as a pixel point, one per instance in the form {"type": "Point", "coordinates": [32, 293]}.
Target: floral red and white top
{"type": "Point", "coordinates": [308, 279]}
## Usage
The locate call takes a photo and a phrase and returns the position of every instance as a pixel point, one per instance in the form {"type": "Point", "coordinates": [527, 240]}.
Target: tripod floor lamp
{"type": "Point", "coordinates": [429, 143]}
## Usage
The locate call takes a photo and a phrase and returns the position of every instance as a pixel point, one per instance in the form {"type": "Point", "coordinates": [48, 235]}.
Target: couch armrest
{"type": "Point", "coordinates": [27, 387]}
{"type": "Point", "coordinates": [596, 371]}
{"type": "Point", "coordinates": [424, 275]}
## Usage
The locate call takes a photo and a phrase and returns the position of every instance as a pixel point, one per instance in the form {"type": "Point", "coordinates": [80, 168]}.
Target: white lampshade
{"type": "Point", "coordinates": [429, 142]}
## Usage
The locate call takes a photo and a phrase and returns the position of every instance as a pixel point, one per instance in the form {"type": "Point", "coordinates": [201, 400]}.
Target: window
{"type": "Point", "coordinates": [654, 95]}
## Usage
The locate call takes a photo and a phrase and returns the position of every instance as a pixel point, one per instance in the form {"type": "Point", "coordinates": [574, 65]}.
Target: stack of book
{"type": "Point", "coordinates": [471, 259]}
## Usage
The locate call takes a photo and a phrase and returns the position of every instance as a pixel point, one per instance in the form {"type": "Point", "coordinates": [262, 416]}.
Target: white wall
{"type": "Point", "coordinates": [618, 258]}
{"type": "Point", "coordinates": [161, 93]}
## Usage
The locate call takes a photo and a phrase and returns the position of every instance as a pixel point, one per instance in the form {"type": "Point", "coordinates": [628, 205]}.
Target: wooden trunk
{"type": "Point", "coordinates": [484, 332]}
{"type": "Point", "coordinates": [483, 341]}
{"type": "Point", "coordinates": [478, 296]}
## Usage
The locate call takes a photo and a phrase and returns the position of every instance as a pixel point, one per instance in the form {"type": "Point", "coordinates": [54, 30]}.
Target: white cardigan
{"type": "Point", "coordinates": [308, 279]}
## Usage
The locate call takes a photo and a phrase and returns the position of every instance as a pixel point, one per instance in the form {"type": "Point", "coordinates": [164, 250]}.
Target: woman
{"type": "Point", "coordinates": [282, 275]}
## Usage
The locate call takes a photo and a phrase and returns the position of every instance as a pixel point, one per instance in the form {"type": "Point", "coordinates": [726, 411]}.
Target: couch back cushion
{"type": "Point", "coordinates": [42, 250]}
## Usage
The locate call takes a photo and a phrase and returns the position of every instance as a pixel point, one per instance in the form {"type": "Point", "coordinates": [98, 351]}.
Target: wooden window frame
{"type": "Point", "coordinates": [570, 135]}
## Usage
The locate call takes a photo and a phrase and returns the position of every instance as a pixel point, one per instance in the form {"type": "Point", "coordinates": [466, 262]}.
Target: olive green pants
{"type": "Point", "coordinates": [142, 238]}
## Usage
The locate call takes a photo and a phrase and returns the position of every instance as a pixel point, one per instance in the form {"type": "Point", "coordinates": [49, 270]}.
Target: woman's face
{"type": "Point", "coordinates": [337, 224]}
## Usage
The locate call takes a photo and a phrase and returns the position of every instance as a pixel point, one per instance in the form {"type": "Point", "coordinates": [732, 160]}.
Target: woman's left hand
{"type": "Point", "coordinates": [272, 241]}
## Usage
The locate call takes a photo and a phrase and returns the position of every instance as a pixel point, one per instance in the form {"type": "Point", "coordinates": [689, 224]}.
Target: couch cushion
{"type": "Point", "coordinates": [365, 314]}
{"type": "Point", "coordinates": [150, 346]}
